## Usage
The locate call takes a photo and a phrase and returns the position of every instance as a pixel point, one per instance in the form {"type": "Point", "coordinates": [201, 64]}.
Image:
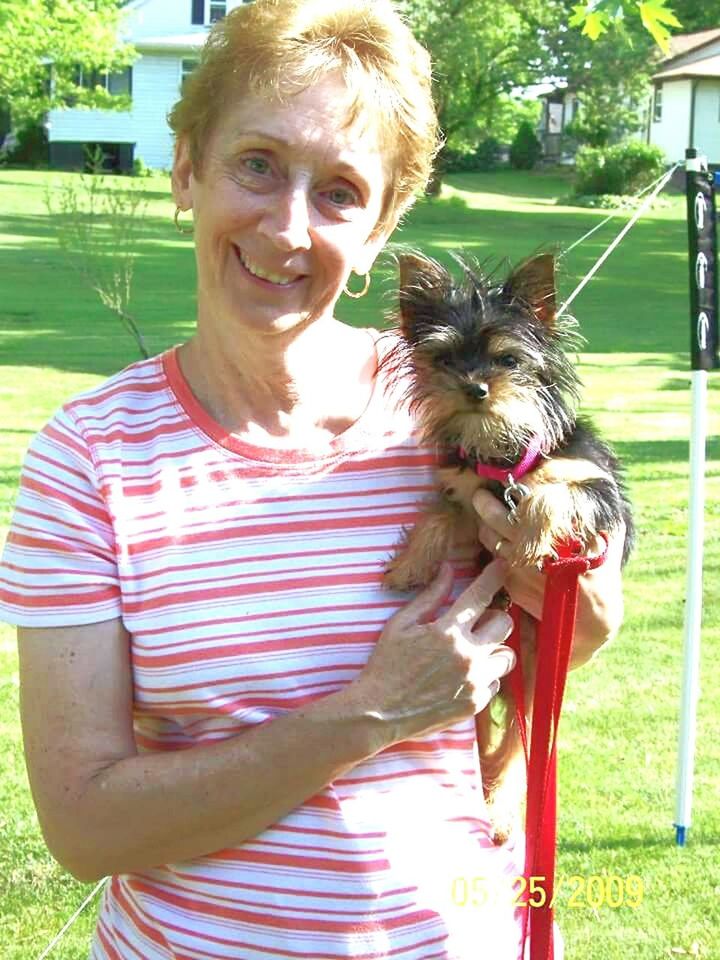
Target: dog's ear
{"type": "Point", "coordinates": [533, 282]}
{"type": "Point", "coordinates": [423, 284]}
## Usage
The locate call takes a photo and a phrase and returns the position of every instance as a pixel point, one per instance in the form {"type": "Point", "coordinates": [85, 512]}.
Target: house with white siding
{"type": "Point", "coordinates": [683, 109]}
{"type": "Point", "coordinates": [686, 97]}
{"type": "Point", "coordinates": [168, 36]}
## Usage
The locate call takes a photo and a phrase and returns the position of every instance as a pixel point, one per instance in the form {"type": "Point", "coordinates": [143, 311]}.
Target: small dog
{"type": "Point", "coordinates": [494, 390]}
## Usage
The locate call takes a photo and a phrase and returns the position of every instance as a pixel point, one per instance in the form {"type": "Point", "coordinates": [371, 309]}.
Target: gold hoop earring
{"type": "Point", "coordinates": [178, 226]}
{"type": "Point", "coordinates": [356, 296]}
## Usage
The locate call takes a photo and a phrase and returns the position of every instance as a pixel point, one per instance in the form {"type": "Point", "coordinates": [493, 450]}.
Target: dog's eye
{"type": "Point", "coordinates": [507, 360]}
{"type": "Point", "coordinates": [445, 361]}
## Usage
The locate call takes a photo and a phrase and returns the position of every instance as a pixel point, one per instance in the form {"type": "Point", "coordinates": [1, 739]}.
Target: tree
{"type": "Point", "coordinates": [596, 16]}
{"type": "Point", "coordinates": [612, 74]}
{"type": "Point", "coordinates": [611, 77]}
{"type": "Point", "coordinates": [42, 44]}
{"type": "Point", "coordinates": [697, 14]}
{"type": "Point", "coordinates": [481, 50]}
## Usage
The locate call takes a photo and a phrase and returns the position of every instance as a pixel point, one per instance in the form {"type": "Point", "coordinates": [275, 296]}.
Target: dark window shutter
{"type": "Point", "coordinates": [198, 12]}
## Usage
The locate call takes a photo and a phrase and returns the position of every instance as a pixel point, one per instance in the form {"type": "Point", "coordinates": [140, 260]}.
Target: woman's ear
{"type": "Point", "coordinates": [182, 174]}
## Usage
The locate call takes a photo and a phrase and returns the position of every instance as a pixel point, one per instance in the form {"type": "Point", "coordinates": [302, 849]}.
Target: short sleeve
{"type": "Point", "coordinates": [59, 564]}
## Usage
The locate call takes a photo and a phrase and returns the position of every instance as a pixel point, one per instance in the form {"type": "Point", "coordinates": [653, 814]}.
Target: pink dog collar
{"type": "Point", "coordinates": [525, 464]}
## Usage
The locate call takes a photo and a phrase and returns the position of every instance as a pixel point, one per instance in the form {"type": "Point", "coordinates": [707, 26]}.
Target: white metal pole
{"type": "Point", "coordinates": [693, 608]}
{"type": "Point", "coordinates": [702, 249]}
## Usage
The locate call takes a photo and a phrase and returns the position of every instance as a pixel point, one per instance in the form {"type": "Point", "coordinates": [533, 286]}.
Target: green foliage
{"type": "Point", "coordinates": [525, 149]}
{"type": "Point", "coordinates": [597, 16]}
{"type": "Point", "coordinates": [35, 33]}
{"type": "Point", "coordinates": [621, 169]}
{"type": "Point", "coordinates": [141, 169]}
{"type": "Point", "coordinates": [487, 154]}
{"type": "Point", "coordinates": [485, 157]}
{"type": "Point", "coordinates": [31, 147]}
{"type": "Point", "coordinates": [611, 201]}
{"type": "Point", "coordinates": [611, 78]}
{"type": "Point", "coordinates": [482, 50]}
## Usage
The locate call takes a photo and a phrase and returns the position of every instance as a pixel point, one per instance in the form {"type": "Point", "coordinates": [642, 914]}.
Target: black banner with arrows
{"type": "Point", "coordinates": [702, 246]}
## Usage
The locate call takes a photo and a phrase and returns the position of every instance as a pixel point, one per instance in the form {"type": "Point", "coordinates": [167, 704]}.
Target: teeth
{"type": "Point", "coordinates": [257, 271]}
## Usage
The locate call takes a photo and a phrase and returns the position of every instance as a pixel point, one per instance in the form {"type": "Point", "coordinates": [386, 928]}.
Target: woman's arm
{"type": "Point", "coordinates": [104, 808]}
{"type": "Point", "coordinates": [600, 598]}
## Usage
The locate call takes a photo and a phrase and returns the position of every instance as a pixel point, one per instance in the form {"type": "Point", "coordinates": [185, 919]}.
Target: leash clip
{"type": "Point", "coordinates": [513, 494]}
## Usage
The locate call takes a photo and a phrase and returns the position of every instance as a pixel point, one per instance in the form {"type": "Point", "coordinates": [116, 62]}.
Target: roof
{"type": "Point", "coordinates": [682, 43]}
{"type": "Point", "coordinates": [688, 46]}
{"type": "Point", "coordinates": [710, 67]}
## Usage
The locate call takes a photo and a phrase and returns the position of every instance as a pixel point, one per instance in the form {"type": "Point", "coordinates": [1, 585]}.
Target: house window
{"type": "Point", "coordinates": [657, 104]}
{"type": "Point", "coordinates": [116, 84]}
{"type": "Point", "coordinates": [120, 84]}
{"type": "Point", "coordinates": [187, 68]}
{"type": "Point", "coordinates": [216, 10]}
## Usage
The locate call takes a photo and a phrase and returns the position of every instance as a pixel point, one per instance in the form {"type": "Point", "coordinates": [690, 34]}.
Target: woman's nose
{"type": "Point", "coordinates": [287, 220]}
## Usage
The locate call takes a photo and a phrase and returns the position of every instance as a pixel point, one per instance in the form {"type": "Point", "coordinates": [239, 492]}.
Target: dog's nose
{"type": "Point", "coordinates": [478, 391]}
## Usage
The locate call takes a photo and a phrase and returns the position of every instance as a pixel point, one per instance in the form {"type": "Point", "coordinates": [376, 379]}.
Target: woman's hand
{"type": "Point", "coordinates": [426, 674]}
{"type": "Point", "coordinates": [600, 601]}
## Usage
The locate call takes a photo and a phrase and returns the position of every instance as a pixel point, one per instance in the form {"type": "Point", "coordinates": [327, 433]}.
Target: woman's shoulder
{"type": "Point", "coordinates": [131, 386]}
{"type": "Point", "coordinates": [115, 407]}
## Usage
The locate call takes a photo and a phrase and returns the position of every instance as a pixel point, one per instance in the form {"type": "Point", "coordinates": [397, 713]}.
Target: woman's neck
{"type": "Point", "coordinates": [294, 389]}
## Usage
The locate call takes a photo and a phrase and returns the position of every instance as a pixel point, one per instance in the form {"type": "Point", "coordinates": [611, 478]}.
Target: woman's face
{"type": "Point", "coordinates": [285, 207]}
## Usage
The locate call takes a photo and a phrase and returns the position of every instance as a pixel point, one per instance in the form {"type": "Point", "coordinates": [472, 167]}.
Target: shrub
{"type": "Point", "coordinates": [525, 149]}
{"type": "Point", "coordinates": [487, 154]}
{"type": "Point", "coordinates": [30, 146]}
{"type": "Point", "coordinates": [485, 157]}
{"type": "Point", "coordinates": [140, 168]}
{"type": "Point", "coordinates": [621, 169]}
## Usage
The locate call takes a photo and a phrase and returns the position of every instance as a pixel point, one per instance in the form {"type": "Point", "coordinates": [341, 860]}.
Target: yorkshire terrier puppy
{"type": "Point", "coordinates": [494, 391]}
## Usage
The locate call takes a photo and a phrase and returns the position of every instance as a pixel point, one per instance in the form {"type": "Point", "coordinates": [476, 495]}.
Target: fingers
{"type": "Point", "coordinates": [494, 516]}
{"type": "Point", "coordinates": [425, 605]}
{"type": "Point", "coordinates": [476, 598]}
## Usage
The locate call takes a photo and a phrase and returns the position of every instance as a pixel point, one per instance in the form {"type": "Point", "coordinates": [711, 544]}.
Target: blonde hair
{"type": "Point", "coordinates": [281, 47]}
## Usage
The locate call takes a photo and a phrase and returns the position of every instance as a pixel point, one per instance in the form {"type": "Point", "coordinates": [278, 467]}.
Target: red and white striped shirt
{"type": "Point", "coordinates": [249, 580]}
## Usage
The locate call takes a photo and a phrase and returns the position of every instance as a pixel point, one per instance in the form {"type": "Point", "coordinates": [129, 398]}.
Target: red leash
{"type": "Point", "coordinates": [555, 633]}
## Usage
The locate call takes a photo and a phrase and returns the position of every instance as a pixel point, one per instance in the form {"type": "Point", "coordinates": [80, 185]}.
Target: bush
{"type": "Point", "coordinates": [609, 201]}
{"type": "Point", "coordinates": [140, 168]}
{"type": "Point", "coordinates": [30, 147]}
{"type": "Point", "coordinates": [621, 169]}
{"type": "Point", "coordinates": [485, 157]}
{"type": "Point", "coordinates": [525, 150]}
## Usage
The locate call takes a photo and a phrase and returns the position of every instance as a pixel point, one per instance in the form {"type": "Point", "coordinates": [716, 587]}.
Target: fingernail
{"type": "Point", "coordinates": [494, 688]}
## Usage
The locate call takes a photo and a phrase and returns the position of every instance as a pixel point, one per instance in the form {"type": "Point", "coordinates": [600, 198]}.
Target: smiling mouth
{"type": "Point", "coordinates": [257, 271]}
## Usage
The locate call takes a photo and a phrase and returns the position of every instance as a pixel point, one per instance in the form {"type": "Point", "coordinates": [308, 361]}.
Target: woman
{"type": "Point", "coordinates": [222, 708]}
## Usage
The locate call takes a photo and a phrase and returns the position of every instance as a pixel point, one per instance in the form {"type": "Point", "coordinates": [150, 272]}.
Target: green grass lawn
{"type": "Point", "coordinates": [619, 730]}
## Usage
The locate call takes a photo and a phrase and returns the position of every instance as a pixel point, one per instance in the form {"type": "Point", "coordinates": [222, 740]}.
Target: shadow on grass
{"type": "Point", "coordinates": [626, 842]}
{"type": "Point", "coordinates": [651, 451]}
{"type": "Point", "coordinates": [49, 318]}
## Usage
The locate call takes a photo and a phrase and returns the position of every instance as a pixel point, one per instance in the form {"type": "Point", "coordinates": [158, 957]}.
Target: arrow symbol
{"type": "Point", "coordinates": [700, 270]}
{"type": "Point", "coordinates": [703, 328]}
{"type": "Point", "coordinates": [700, 211]}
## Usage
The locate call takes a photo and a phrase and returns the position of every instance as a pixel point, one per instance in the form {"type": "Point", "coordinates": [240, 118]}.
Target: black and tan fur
{"type": "Point", "coordinates": [488, 369]}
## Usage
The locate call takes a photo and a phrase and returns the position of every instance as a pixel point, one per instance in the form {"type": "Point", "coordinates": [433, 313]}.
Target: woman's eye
{"type": "Point", "coordinates": [507, 360]}
{"type": "Point", "coordinates": [342, 197]}
{"type": "Point", "coordinates": [256, 164]}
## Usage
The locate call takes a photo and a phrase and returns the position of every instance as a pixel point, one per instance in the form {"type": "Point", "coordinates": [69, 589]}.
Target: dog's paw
{"type": "Point", "coordinates": [403, 575]}
{"type": "Point", "coordinates": [548, 515]}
